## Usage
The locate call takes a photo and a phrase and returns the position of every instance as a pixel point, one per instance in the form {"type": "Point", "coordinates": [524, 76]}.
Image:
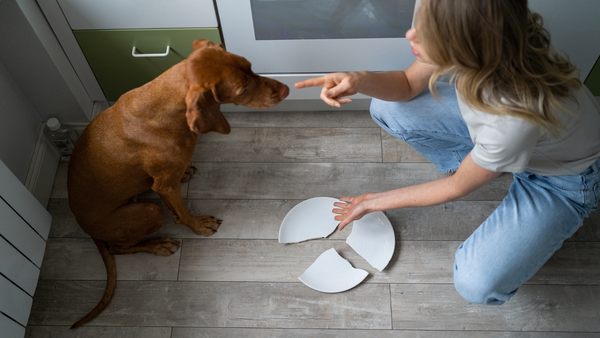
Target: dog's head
{"type": "Point", "coordinates": [215, 77]}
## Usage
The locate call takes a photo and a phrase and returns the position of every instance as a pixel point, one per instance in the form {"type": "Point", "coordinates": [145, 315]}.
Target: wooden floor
{"type": "Point", "coordinates": [241, 282]}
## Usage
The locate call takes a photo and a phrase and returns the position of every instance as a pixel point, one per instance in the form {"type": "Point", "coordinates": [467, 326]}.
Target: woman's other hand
{"type": "Point", "coordinates": [351, 209]}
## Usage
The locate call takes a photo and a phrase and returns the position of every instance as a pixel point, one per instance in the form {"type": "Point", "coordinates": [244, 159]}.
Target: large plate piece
{"type": "Point", "coordinates": [310, 219]}
{"type": "Point", "coordinates": [331, 273]}
{"type": "Point", "coordinates": [373, 239]}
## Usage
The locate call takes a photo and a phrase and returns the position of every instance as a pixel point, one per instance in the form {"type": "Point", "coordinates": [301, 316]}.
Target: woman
{"type": "Point", "coordinates": [516, 107]}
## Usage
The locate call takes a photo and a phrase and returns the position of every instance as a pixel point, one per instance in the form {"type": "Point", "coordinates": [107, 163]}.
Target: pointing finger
{"type": "Point", "coordinates": [314, 82]}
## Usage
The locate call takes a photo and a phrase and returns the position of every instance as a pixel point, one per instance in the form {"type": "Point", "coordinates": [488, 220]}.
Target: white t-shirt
{"type": "Point", "coordinates": [511, 144]}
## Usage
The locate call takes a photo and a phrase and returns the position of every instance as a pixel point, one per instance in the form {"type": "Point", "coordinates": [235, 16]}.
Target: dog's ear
{"type": "Point", "coordinates": [204, 113]}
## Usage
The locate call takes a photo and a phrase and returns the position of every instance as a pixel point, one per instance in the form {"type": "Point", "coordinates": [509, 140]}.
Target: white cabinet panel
{"type": "Point", "coordinates": [10, 329]}
{"type": "Point", "coordinates": [132, 14]}
{"type": "Point", "coordinates": [20, 235]}
{"type": "Point", "coordinates": [17, 268]}
{"type": "Point", "coordinates": [20, 245]}
{"type": "Point", "coordinates": [23, 202]}
{"type": "Point", "coordinates": [14, 302]}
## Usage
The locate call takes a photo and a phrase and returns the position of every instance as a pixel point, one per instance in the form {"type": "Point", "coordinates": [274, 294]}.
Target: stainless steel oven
{"type": "Point", "coordinates": [292, 40]}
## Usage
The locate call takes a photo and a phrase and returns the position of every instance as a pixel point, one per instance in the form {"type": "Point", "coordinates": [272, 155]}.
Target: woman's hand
{"type": "Point", "coordinates": [354, 209]}
{"type": "Point", "coordinates": [388, 86]}
{"type": "Point", "coordinates": [336, 86]}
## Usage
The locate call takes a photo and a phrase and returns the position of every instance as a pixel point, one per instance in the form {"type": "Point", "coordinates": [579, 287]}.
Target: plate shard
{"type": "Point", "coordinates": [310, 219]}
{"type": "Point", "coordinates": [373, 239]}
{"type": "Point", "coordinates": [331, 273]}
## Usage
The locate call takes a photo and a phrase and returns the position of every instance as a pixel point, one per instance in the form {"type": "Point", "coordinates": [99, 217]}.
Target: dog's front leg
{"type": "Point", "coordinates": [169, 191]}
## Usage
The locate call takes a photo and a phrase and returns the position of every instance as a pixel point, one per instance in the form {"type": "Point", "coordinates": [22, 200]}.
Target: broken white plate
{"type": "Point", "coordinates": [310, 219]}
{"type": "Point", "coordinates": [331, 273]}
{"type": "Point", "coordinates": [373, 239]}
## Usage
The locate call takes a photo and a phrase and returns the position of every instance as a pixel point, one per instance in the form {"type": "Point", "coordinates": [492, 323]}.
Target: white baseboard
{"type": "Point", "coordinates": [42, 169]}
{"type": "Point", "coordinates": [303, 105]}
{"type": "Point", "coordinates": [99, 107]}
{"type": "Point", "coordinates": [44, 163]}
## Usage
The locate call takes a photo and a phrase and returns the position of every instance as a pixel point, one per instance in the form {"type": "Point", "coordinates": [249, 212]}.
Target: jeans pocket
{"type": "Point", "coordinates": [566, 183]}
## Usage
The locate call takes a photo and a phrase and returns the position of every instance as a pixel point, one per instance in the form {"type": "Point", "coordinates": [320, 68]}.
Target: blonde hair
{"type": "Point", "coordinates": [501, 53]}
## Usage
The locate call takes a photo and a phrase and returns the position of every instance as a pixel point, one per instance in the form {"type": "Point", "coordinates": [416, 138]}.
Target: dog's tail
{"type": "Point", "coordinates": [111, 282]}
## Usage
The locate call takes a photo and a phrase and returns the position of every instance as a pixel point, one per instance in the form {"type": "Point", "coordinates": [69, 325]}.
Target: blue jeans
{"type": "Point", "coordinates": [534, 219]}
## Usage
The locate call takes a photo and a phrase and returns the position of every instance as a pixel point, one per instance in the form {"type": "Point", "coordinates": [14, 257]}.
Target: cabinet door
{"type": "Point", "coordinates": [109, 53]}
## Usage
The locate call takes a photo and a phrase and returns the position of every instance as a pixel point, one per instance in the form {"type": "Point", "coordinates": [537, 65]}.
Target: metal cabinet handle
{"type": "Point", "coordinates": [155, 55]}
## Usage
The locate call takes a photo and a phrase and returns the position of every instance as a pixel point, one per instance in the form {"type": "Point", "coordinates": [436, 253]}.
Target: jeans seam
{"type": "Point", "coordinates": [433, 132]}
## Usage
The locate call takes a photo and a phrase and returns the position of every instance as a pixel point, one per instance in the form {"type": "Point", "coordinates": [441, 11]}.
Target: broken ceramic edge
{"type": "Point", "coordinates": [310, 219]}
{"type": "Point", "coordinates": [331, 273]}
{"type": "Point", "coordinates": [373, 239]}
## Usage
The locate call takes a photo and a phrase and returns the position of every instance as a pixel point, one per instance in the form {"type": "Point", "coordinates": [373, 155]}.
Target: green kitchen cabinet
{"type": "Point", "coordinates": [593, 79]}
{"type": "Point", "coordinates": [110, 54]}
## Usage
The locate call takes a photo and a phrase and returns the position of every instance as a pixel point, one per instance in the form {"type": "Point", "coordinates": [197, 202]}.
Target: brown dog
{"type": "Point", "coordinates": [146, 141]}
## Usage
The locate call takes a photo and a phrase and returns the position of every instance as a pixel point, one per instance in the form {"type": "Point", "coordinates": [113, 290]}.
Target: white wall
{"type": "Point", "coordinates": [26, 59]}
{"type": "Point", "coordinates": [31, 87]}
{"type": "Point", "coordinates": [19, 126]}
{"type": "Point", "coordinates": [574, 27]}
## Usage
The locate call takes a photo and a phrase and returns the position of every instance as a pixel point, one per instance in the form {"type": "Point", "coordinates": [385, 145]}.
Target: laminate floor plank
{"type": "Point", "coordinates": [555, 308]}
{"type": "Point", "coordinates": [97, 332]}
{"type": "Point", "coordinates": [396, 150]}
{"type": "Point", "coordinates": [259, 260]}
{"type": "Point", "coordinates": [456, 221]}
{"type": "Point", "coordinates": [196, 304]}
{"type": "Point", "coordinates": [242, 219]}
{"type": "Point", "coordinates": [307, 180]}
{"type": "Point", "coordinates": [79, 259]}
{"type": "Point", "coordinates": [301, 119]}
{"type": "Point", "coordinates": [311, 333]}
{"type": "Point", "coordinates": [413, 262]}
{"type": "Point", "coordinates": [453, 221]}
{"type": "Point", "coordinates": [289, 145]}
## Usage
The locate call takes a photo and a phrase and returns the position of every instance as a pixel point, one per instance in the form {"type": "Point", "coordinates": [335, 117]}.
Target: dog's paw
{"type": "Point", "coordinates": [189, 172]}
{"type": "Point", "coordinates": [205, 225]}
{"type": "Point", "coordinates": [162, 246]}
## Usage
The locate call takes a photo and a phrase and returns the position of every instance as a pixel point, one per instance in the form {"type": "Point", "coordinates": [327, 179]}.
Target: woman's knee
{"type": "Point", "coordinates": [397, 117]}
{"type": "Point", "coordinates": [474, 282]}
{"type": "Point", "coordinates": [386, 113]}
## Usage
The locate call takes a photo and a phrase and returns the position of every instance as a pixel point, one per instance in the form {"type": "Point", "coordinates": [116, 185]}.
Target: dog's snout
{"type": "Point", "coordinates": [284, 91]}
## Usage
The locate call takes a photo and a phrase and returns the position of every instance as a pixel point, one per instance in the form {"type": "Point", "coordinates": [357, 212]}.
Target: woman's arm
{"type": "Point", "coordinates": [468, 178]}
{"type": "Point", "coordinates": [387, 86]}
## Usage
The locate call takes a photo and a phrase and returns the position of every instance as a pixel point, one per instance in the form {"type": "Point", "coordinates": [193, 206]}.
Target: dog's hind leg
{"type": "Point", "coordinates": [125, 228]}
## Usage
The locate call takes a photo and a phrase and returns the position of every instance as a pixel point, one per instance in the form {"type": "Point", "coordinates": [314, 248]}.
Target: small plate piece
{"type": "Point", "coordinates": [310, 219]}
{"type": "Point", "coordinates": [331, 273]}
{"type": "Point", "coordinates": [373, 239]}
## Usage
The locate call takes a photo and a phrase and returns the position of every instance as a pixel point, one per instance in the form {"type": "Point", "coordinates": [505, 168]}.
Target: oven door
{"type": "Point", "coordinates": [292, 40]}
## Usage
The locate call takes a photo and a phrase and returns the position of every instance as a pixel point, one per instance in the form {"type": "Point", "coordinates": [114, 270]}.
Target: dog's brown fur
{"type": "Point", "coordinates": [146, 141]}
